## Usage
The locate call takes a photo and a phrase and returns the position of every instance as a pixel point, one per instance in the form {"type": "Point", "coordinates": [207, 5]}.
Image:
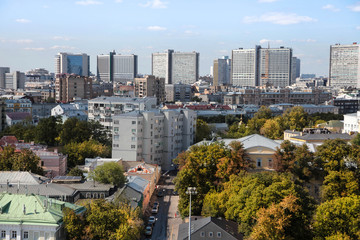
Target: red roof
{"type": "Point", "coordinates": [8, 140]}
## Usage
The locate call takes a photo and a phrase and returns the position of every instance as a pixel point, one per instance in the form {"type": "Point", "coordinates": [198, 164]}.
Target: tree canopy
{"type": "Point", "coordinates": [109, 172]}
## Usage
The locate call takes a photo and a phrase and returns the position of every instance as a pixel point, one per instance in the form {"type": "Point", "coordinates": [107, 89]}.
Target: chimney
{"type": "Point", "coordinates": [24, 209]}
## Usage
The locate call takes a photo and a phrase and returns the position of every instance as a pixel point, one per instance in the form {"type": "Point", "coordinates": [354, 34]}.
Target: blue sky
{"type": "Point", "coordinates": [33, 31]}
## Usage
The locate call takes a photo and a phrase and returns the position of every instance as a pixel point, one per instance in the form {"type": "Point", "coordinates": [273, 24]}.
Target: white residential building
{"type": "Point", "coordinates": [155, 137]}
{"type": "Point", "coordinates": [15, 80]}
{"type": "Point", "coordinates": [69, 110]}
{"type": "Point", "coordinates": [103, 109]}
{"type": "Point", "coordinates": [351, 122]}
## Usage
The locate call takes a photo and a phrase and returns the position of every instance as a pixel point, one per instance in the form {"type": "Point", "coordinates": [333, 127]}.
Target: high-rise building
{"type": "Point", "coordinates": [345, 65]}
{"type": "Point", "coordinates": [69, 63]}
{"type": "Point", "coordinates": [178, 92]}
{"type": "Point", "coordinates": [295, 71]}
{"type": "Point", "coordinates": [155, 137]}
{"type": "Point", "coordinates": [117, 68]}
{"type": "Point", "coordinates": [222, 71]}
{"type": "Point", "coordinates": [150, 86]}
{"type": "Point", "coordinates": [15, 80]}
{"type": "Point", "coordinates": [70, 87]}
{"type": "Point", "coordinates": [261, 66]}
{"type": "Point", "coordinates": [3, 70]}
{"type": "Point", "coordinates": [176, 67]}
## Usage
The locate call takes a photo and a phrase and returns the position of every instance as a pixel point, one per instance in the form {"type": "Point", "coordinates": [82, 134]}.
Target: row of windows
{"type": "Point", "coordinates": [210, 234]}
{"type": "Point", "coordinates": [13, 234]}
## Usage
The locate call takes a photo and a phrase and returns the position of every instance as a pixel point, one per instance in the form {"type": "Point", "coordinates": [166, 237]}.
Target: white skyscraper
{"type": "Point", "coordinates": [176, 67]}
{"type": "Point", "coordinates": [15, 80]}
{"type": "Point", "coordinates": [260, 66]}
{"type": "Point", "coordinates": [345, 65]}
{"type": "Point", "coordinates": [70, 63]}
{"type": "Point", "coordinates": [222, 71]}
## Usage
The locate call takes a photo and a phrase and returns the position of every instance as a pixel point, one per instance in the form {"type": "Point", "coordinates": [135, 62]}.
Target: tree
{"type": "Point", "coordinates": [275, 221]}
{"type": "Point", "coordinates": [203, 130]}
{"type": "Point", "coordinates": [74, 130]}
{"type": "Point", "coordinates": [273, 129]}
{"type": "Point", "coordinates": [356, 140]}
{"type": "Point", "coordinates": [6, 158]}
{"type": "Point", "coordinates": [77, 152]}
{"type": "Point", "coordinates": [255, 124]}
{"type": "Point", "coordinates": [99, 133]}
{"type": "Point", "coordinates": [234, 163]}
{"type": "Point", "coordinates": [26, 160]}
{"type": "Point", "coordinates": [284, 157]}
{"type": "Point", "coordinates": [332, 155]}
{"type": "Point", "coordinates": [48, 130]}
{"type": "Point", "coordinates": [295, 118]}
{"type": "Point", "coordinates": [338, 216]}
{"type": "Point", "coordinates": [238, 130]}
{"type": "Point", "coordinates": [263, 113]}
{"type": "Point", "coordinates": [304, 163]}
{"type": "Point", "coordinates": [109, 172]}
{"type": "Point", "coordinates": [76, 172]}
{"type": "Point", "coordinates": [74, 224]}
{"type": "Point", "coordinates": [339, 184]}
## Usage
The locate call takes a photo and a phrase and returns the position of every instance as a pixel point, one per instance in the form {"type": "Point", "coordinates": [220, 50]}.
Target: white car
{"type": "Point", "coordinates": [155, 210]}
{"type": "Point", "coordinates": [152, 219]}
{"type": "Point", "coordinates": [148, 231]}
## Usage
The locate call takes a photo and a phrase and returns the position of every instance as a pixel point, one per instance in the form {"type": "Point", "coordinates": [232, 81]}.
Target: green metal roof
{"type": "Point", "coordinates": [33, 209]}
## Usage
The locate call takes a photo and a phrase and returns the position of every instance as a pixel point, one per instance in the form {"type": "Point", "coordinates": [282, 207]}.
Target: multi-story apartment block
{"type": "Point", "coordinates": [70, 87]}
{"type": "Point", "coordinates": [103, 109]}
{"type": "Point", "coordinates": [178, 92]}
{"type": "Point", "coordinates": [155, 137]}
{"type": "Point", "coordinates": [18, 105]}
{"type": "Point", "coordinates": [261, 97]}
{"type": "Point", "coordinates": [295, 69]}
{"type": "Point", "coordinates": [117, 68]}
{"type": "Point", "coordinates": [15, 80]}
{"type": "Point", "coordinates": [39, 75]}
{"type": "Point", "coordinates": [3, 71]}
{"type": "Point", "coordinates": [176, 67]}
{"type": "Point", "coordinates": [261, 66]}
{"type": "Point", "coordinates": [70, 63]}
{"type": "Point", "coordinates": [150, 86]}
{"type": "Point", "coordinates": [222, 71]}
{"type": "Point", "coordinates": [345, 65]}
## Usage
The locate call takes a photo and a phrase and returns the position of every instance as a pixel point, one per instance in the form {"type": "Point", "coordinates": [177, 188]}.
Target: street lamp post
{"type": "Point", "coordinates": [190, 191]}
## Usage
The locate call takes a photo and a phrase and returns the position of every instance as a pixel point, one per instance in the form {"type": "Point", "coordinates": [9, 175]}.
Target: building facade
{"type": "Point", "coordinates": [295, 69]}
{"type": "Point", "coordinates": [261, 66]}
{"type": "Point", "coordinates": [15, 80]}
{"type": "Point", "coordinates": [3, 71]}
{"type": "Point", "coordinates": [345, 65]}
{"type": "Point", "coordinates": [155, 137]}
{"type": "Point", "coordinates": [150, 86]}
{"type": "Point", "coordinates": [103, 109]}
{"type": "Point", "coordinates": [69, 63]}
{"type": "Point", "coordinates": [178, 92]}
{"type": "Point", "coordinates": [71, 87]}
{"type": "Point", "coordinates": [162, 65]}
{"type": "Point", "coordinates": [117, 68]}
{"type": "Point", "coordinates": [222, 71]}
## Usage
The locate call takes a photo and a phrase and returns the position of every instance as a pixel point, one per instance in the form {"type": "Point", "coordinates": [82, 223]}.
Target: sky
{"type": "Point", "coordinates": [34, 31]}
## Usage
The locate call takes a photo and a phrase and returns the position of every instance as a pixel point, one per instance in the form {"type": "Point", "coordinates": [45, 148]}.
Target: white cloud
{"type": "Point", "coordinates": [118, 1]}
{"type": "Point", "coordinates": [262, 41]}
{"type": "Point", "coordinates": [267, 1]}
{"type": "Point", "coordinates": [62, 38]}
{"type": "Point", "coordinates": [46, 6]}
{"type": "Point", "coordinates": [358, 28]}
{"type": "Point", "coordinates": [88, 2]}
{"type": "Point", "coordinates": [192, 33]}
{"type": "Point", "coordinates": [355, 7]}
{"type": "Point", "coordinates": [62, 47]}
{"type": "Point", "coordinates": [24, 41]}
{"type": "Point", "coordinates": [279, 18]}
{"type": "Point", "coordinates": [22, 20]}
{"type": "Point", "coordinates": [35, 49]}
{"type": "Point", "coordinates": [331, 8]}
{"type": "Point", "coordinates": [156, 28]}
{"type": "Point", "coordinates": [304, 40]}
{"type": "Point", "coordinates": [155, 4]}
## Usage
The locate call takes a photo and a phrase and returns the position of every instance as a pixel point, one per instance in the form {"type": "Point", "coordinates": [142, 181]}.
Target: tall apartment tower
{"type": "Point", "coordinates": [117, 68]}
{"type": "Point", "coordinates": [3, 71]}
{"type": "Point", "coordinates": [176, 67]}
{"type": "Point", "coordinates": [295, 71]}
{"type": "Point", "coordinates": [345, 65]}
{"type": "Point", "coordinates": [15, 80]}
{"type": "Point", "coordinates": [69, 87]}
{"type": "Point", "coordinates": [260, 66]}
{"type": "Point", "coordinates": [69, 63]}
{"type": "Point", "coordinates": [222, 71]}
{"type": "Point", "coordinates": [150, 86]}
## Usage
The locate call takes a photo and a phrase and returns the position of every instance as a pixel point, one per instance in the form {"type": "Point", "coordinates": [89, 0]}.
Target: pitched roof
{"type": "Point", "coordinates": [137, 183]}
{"type": "Point", "coordinates": [228, 226]}
{"type": "Point", "coordinates": [18, 115]}
{"type": "Point", "coordinates": [8, 140]}
{"type": "Point", "coordinates": [25, 178]}
{"type": "Point", "coordinates": [257, 140]}
{"type": "Point", "coordinates": [33, 209]}
{"type": "Point", "coordinates": [51, 189]}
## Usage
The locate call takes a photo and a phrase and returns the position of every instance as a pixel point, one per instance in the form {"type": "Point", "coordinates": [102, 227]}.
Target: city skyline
{"type": "Point", "coordinates": [35, 31]}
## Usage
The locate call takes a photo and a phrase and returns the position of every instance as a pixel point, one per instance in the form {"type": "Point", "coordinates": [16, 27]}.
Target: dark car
{"type": "Point", "coordinates": [160, 193]}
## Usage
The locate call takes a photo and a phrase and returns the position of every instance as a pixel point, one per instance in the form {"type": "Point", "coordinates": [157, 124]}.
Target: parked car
{"type": "Point", "coordinates": [156, 204]}
{"type": "Point", "coordinates": [148, 231]}
{"type": "Point", "coordinates": [160, 193]}
{"type": "Point", "coordinates": [155, 210]}
{"type": "Point", "coordinates": [175, 193]}
{"type": "Point", "coordinates": [152, 220]}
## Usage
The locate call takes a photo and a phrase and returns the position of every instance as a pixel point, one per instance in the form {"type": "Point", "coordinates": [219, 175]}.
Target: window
{"type": "Point", "coordinates": [133, 130]}
{"type": "Point", "coordinates": [3, 234]}
{"type": "Point", "coordinates": [219, 234]}
{"type": "Point", "coordinates": [133, 139]}
{"type": "Point", "coordinates": [270, 163]}
{"type": "Point", "coordinates": [116, 137]}
{"type": "Point", "coordinates": [116, 121]}
{"type": "Point", "coordinates": [211, 234]}
{"type": "Point", "coordinates": [116, 129]}
{"type": "Point", "coordinates": [88, 195]}
{"type": "Point", "coordinates": [133, 122]}
{"type": "Point", "coordinates": [202, 234]}
{"type": "Point", "coordinates": [258, 162]}
{"type": "Point", "coordinates": [132, 146]}
{"type": "Point", "coordinates": [13, 234]}
{"type": "Point", "coordinates": [26, 235]}
{"type": "Point", "coordinates": [47, 236]}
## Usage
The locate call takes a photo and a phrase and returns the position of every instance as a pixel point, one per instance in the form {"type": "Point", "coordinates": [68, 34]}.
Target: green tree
{"type": "Point", "coordinates": [304, 163]}
{"type": "Point", "coordinates": [20, 131]}
{"type": "Point", "coordinates": [109, 172]}
{"type": "Point", "coordinates": [74, 224]}
{"type": "Point", "coordinates": [238, 130]}
{"type": "Point", "coordinates": [74, 130]}
{"type": "Point", "coordinates": [6, 158]}
{"type": "Point", "coordinates": [99, 133]}
{"type": "Point", "coordinates": [47, 130]}
{"type": "Point", "coordinates": [263, 113]}
{"type": "Point", "coordinates": [203, 130]}
{"type": "Point", "coordinates": [77, 152]}
{"type": "Point", "coordinates": [273, 129]}
{"type": "Point", "coordinates": [356, 140]}
{"type": "Point", "coordinates": [284, 157]}
{"type": "Point", "coordinates": [338, 216]}
{"type": "Point", "coordinates": [76, 172]}
{"type": "Point", "coordinates": [26, 160]}
{"type": "Point", "coordinates": [338, 236]}
{"type": "Point", "coordinates": [339, 184]}
{"type": "Point", "coordinates": [255, 124]}
{"type": "Point", "coordinates": [295, 118]}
